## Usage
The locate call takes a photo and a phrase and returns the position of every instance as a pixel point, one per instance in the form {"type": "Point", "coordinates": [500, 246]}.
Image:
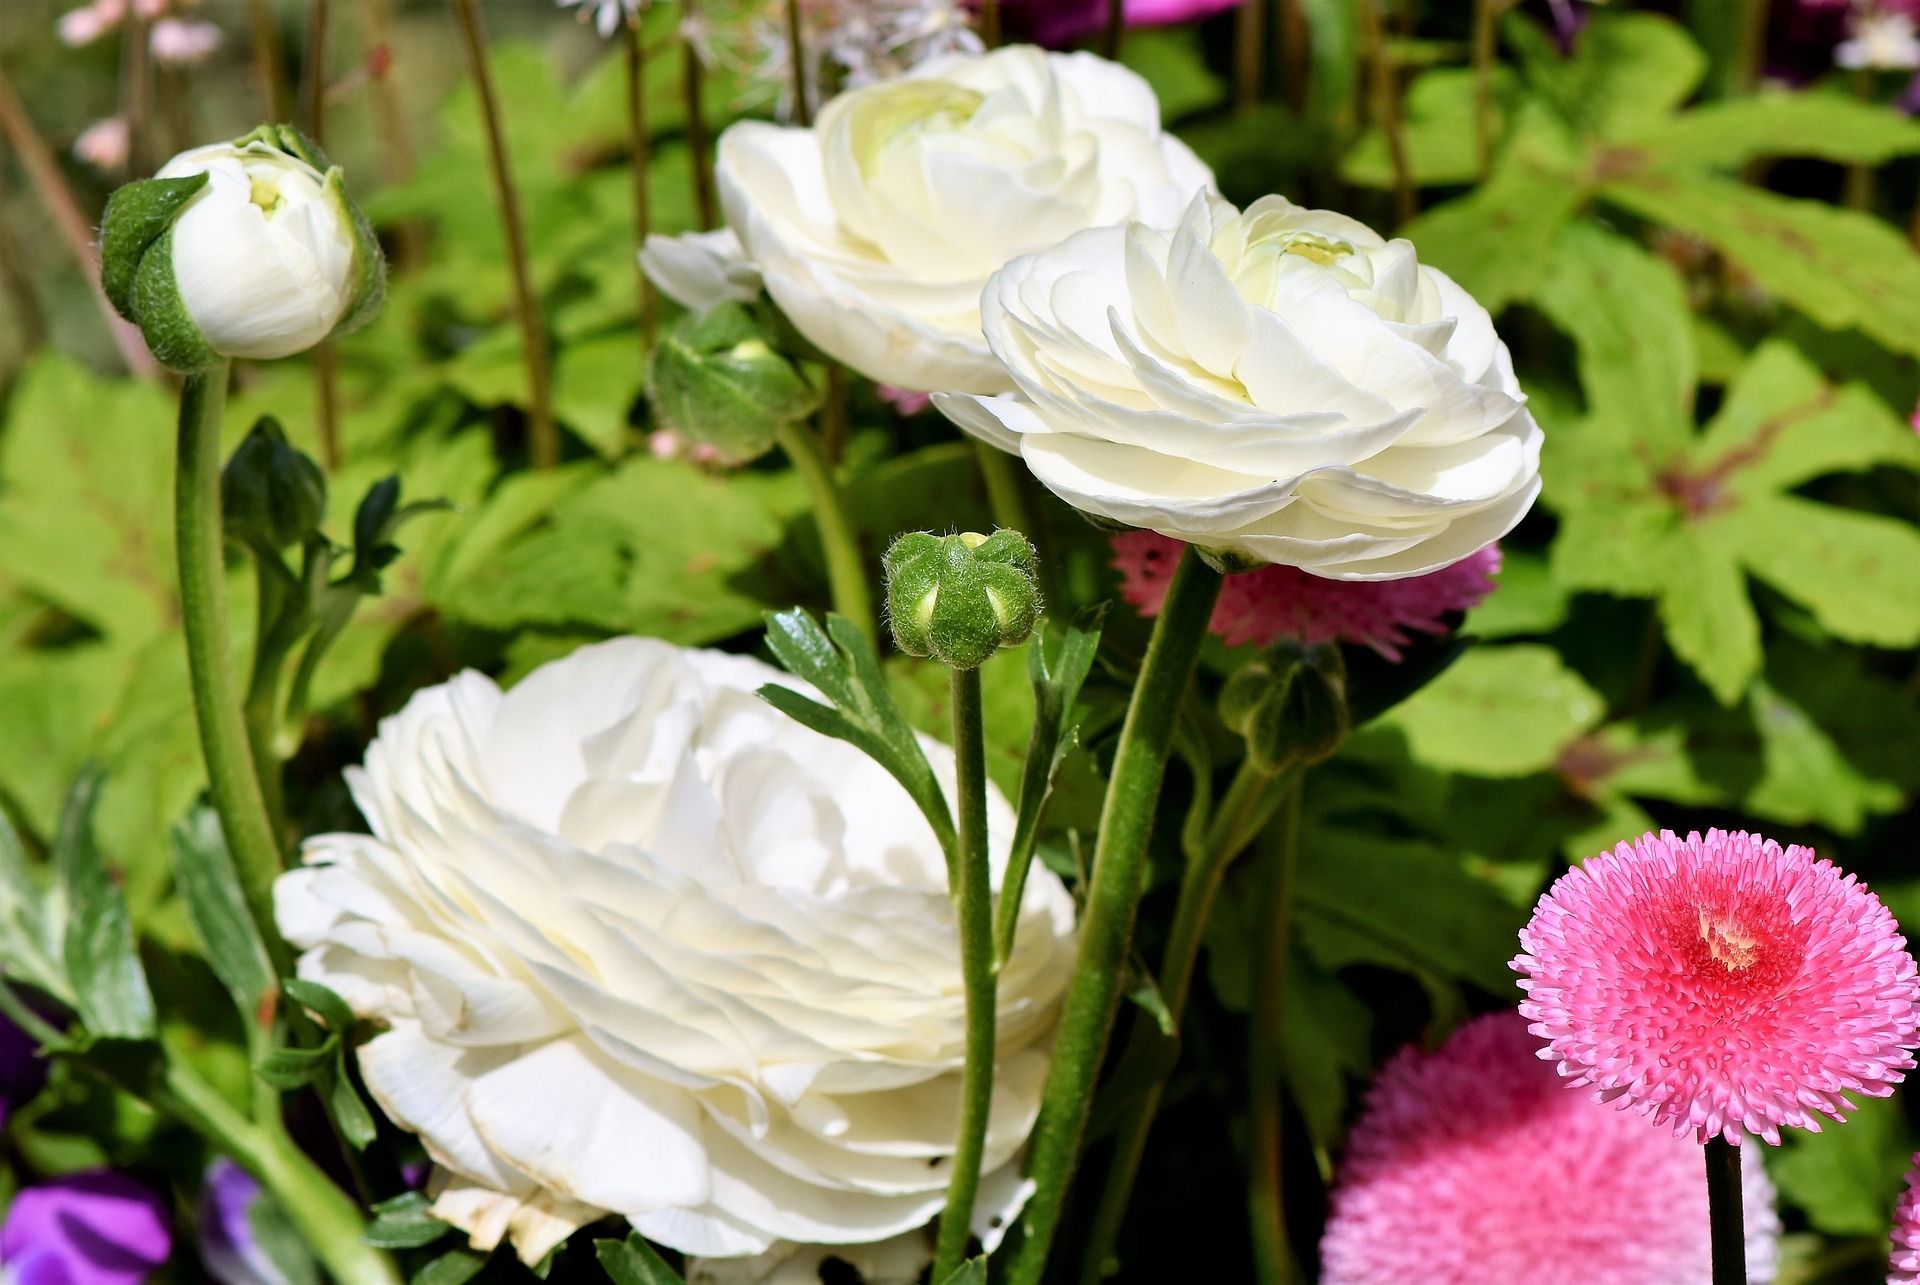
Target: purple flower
{"type": "Point", "coordinates": [96, 1228]}
{"type": "Point", "coordinates": [230, 1244]}
{"type": "Point", "coordinates": [1055, 23]}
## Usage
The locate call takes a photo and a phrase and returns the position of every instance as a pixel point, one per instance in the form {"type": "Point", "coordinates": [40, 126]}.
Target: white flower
{"type": "Point", "coordinates": [263, 256]}
{"type": "Point", "coordinates": [104, 143]}
{"type": "Point", "coordinates": [1882, 39]}
{"type": "Point", "coordinates": [701, 270]}
{"type": "Point", "coordinates": [1281, 383]}
{"type": "Point", "coordinates": [606, 15]}
{"type": "Point", "coordinates": [877, 228]}
{"type": "Point", "coordinates": [182, 42]}
{"type": "Point", "coordinates": [642, 944]}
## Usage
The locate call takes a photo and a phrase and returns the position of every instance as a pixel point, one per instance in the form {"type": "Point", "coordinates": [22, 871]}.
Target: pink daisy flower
{"type": "Point", "coordinates": [1903, 1266]}
{"type": "Point", "coordinates": [1720, 985]}
{"type": "Point", "coordinates": [1476, 1165]}
{"type": "Point", "coordinates": [1275, 602]}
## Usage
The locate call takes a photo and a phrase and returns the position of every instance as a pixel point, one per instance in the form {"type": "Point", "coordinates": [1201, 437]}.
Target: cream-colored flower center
{"type": "Point", "coordinates": [265, 193]}
{"type": "Point", "coordinates": [1731, 946]}
{"type": "Point", "coordinates": [907, 114]}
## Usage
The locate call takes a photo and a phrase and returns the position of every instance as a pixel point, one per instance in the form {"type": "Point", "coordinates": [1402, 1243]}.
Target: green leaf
{"type": "Point", "coordinates": [1497, 240]}
{"type": "Point", "coordinates": [1172, 61]}
{"type": "Point", "coordinates": [211, 887]}
{"type": "Point", "coordinates": [1326, 1046]}
{"type": "Point", "coordinates": [971, 1272]}
{"type": "Point", "coordinates": [633, 1262]}
{"type": "Point", "coordinates": [1806, 778]}
{"type": "Point", "coordinates": [327, 1006]}
{"type": "Point", "coordinates": [1628, 317]}
{"type": "Point", "coordinates": [1846, 1177]}
{"type": "Point", "coordinates": [1628, 71]}
{"type": "Point", "coordinates": [103, 963]}
{"type": "Point", "coordinates": [1858, 573]}
{"type": "Point", "coordinates": [1439, 131]}
{"type": "Point", "coordinates": [455, 1267]}
{"type": "Point", "coordinates": [595, 382]}
{"type": "Point", "coordinates": [1499, 711]}
{"type": "Point", "coordinates": [349, 1112]}
{"type": "Point", "coordinates": [275, 1235]}
{"type": "Point", "coordinates": [290, 1068]}
{"type": "Point", "coordinates": [1526, 600]}
{"type": "Point", "coordinates": [1841, 267]}
{"type": "Point", "coordinates": [404, 1223]}
{"type": "Point", "coordinates": [30, 929]}
{"type": "Point", "coordinates": [1831, 126]}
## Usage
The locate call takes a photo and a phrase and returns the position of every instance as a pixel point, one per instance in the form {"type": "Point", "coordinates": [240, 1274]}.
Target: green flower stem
{"type": "Point", "coordinates": [263, 690]}
{"type": "Point", "coordinates": [1266, 1205]}
{"type": "Point", "coordinates": [846, 569]}
{"type": "Point", "coordinates": [973, 907]}
{"type": "Point", "coordinates": [330, 1222]}
{"type": "Point", "coordinates": [1248, 805]}
{"type": "Point", "coordinates": [543, 434]}
{"type": "Point", "coordinates": [1724, 1215]}
{"type": "Point", "coordinates": [1113, 898]}
{"type": "Point", "coordinates": [1003, 488]}
{"type": "Point", "coordinates": [203, 607]}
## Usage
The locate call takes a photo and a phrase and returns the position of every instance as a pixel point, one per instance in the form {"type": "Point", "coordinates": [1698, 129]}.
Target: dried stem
{"type": "Point", "coordinates": [797, 63]}
{"type": "Point", "coordinates": [1486, 25]}
{"type": "Point", "coordinates": [543, 433]}
{"type": "Point", "coordinates": [1386, 108]}
{"type": "Point", "coordinates": [990, 23]}
{"type": "Point", "coordinates": [313, 118]}
{"type": "Point", "coordinates": [269, 61]}
{"type": "Point", "coordinates": [1247, 50]}
{"type": "Point", "coordinates": [76, 230]}
{"type": "Point", "coordinates": [1113, 37]}
{"type": "Point", "coordinates": [693, 78]}
{"type": "Point", "coordinates": [639, 161]}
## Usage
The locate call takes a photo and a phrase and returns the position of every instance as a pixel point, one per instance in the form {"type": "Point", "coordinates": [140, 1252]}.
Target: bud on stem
{"type": "Point", "coordinates": [960, 598]}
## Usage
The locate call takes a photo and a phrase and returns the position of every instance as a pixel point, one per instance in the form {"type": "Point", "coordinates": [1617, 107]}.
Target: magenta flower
{"type": "Point", "coordinates": [1903, 1265]}
{"type": "Point", "coordinates": [1475, 1165]}
{"type": "Point", "coordinates": [1055, 23]}
{"type": "Point", "coordinates": [1720, 985]}
{"type": "Point", "coordinates": [95, 1228]}
{"type": "Point", "coordinates": [1276, 602]}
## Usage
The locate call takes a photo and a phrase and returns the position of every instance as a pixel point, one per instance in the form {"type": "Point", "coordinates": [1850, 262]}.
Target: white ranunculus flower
{"type": "Point", "coordinates": [1281, 384]}
{"type": "Point", "coordinates": [263, 255]}
{"type": "Point", "coordinates": [877, 228]}
{"type": "Point", "coordinates": [701, 270]}
{"type": "Point", "coordinates": [642, 944]}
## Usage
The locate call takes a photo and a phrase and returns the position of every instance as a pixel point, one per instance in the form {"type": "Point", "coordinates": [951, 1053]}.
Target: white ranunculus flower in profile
{"type": "Point", "coordinates": [876, 229]}
{"type": "Point", "coordinates": [642, 944]}
{"type": "Point", "coordinates": [1281, 384]}
{"type": "Point", "coordinates": [264, 255]}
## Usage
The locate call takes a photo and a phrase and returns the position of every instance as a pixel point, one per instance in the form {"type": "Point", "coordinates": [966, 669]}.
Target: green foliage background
{"type": "Point", "coordinates": [1711, 619]}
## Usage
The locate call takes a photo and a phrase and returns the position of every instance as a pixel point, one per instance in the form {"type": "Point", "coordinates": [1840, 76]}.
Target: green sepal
{"type": "Point", "coordinates": [137, 215]}
{"type": "Point", "coordinates": [717, 379]}
{"type": "Point", "coordinates": [369, 260]}
{"type": "Point", "coordinates": [162, 316]}
{"type": "Point", "coordinates": [285, 138]}
{"type": "Point", "coordinates": [1290, 705]}
{"type": "Point", "coordinates": [960, 598]}
{"type": "Point", "coordinates": [271, 494]}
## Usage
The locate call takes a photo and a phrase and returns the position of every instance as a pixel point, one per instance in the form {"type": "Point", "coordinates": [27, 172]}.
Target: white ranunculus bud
{"type": "Point", "coordinates": [243, 249]}
{"type": "Point", "coordinates": [642, 944]}
{"type": "Point", "coordinates": [1281, 385]}
{"type": "Point", "coordinates": [876, 229]}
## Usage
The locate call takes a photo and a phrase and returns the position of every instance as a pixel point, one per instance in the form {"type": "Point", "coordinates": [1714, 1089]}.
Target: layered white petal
{"type": "Point", "coordinates": [1282, 383]}
{"type": "Point", "coordinates": [644, 945]}
{"type": "Point", "coordinates": [876, 229]}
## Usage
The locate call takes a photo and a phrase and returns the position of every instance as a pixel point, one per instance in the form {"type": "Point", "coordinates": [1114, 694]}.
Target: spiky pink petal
{"type": "Point", "coordinates": [1903, 1265]}
{"type": "Point", "coordinates": [1720, 985]}
{"type": "Point", "coordinates": [1276, 602]}
{"type": "Point", "coordinates": [1476, 1165]}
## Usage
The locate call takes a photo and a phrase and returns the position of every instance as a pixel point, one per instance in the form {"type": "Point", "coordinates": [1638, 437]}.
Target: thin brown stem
{"type": "Point", "coordinates": [693, 79]}
{"type": "Point", "coordinates": [396, 151]}
{"type": "Point", "coordinates": [326, 403]}
{"type": "Point", "coordinates": [1486, 26]}
{"type": "Point", "coordinates": [269, 61]}
{"type": "Point", "coordinates": [1248, 47]}
{"type": "Point", "coordinates": [76, 230]}
{"type": "Point", "coordinates": [1386, 108]}
{"type": "Point", "coordinates": [543, 433]}
{"type": "Point", "coordinates": [797, 64]}
{"type": "Point", "coordinates": [136, 93]}
{"type": "Point", "coordinates": [639, 159]}
{"type": "Point", "coordinates": [1292, 54]}
{"type": "Point", "coordinates": [1859, 190]}
{"type": "Point", "coordinates": [313, 73]}
{"type": "Point", "coordinates": [1113, 36]}
{"type": "Point", "coordinates": [1753, 45]}
{"type": "Point", "coordinates": [990, 23]}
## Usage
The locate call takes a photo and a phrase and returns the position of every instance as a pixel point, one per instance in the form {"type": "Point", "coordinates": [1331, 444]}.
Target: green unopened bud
{"type": "Point", "coordinates": [271, 495]}
{"type": "Point", "coordinates": [244, 249]}
{"type": "Point", "coordinates": [960, 598]}
{"type": "Point", "coordinates": [1290, 705]}
{"type": "Point", "coordinates": [718, 381]}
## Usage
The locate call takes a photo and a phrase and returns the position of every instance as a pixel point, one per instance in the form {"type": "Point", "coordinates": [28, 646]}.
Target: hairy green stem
{"type": "Point", "coordinates": [846, 569]}
{"type": "Point", "coordinates": [262, 706]}
{"type": "Point", "coordinates": [1266, 1203]}
{"type": "Point", "coordinates": [217, 706]}
{"type": "Point", "coordinates": [330, 1222]}
{"type": "Point", "coordinates": [1113, 899]}
{"type": "Point", "coordinates": [1725, 1218]}
{"type": "Point", "coordinates": [1248, 804]}
{"type": "Point", "coordinates": [973, 908]}
{"type": "Point", "coordinates": [543, 434]}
